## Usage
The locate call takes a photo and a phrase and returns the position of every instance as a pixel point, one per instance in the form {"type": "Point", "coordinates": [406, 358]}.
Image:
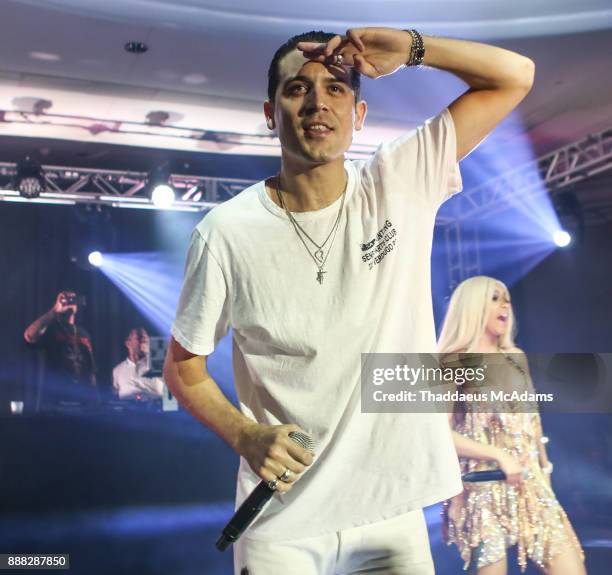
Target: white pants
{"type": "Point", "coordinates": [398, 546]}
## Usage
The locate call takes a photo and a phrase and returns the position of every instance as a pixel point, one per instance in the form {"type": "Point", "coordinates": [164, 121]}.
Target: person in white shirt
{"type": "Point", "coordinates": [129, 379]}
{"type": "Point", "coordinates": [314, 266]}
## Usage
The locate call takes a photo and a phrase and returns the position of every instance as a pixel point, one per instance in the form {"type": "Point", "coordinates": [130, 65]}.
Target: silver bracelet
{"type": "Point", "coordinates": [417, 49]}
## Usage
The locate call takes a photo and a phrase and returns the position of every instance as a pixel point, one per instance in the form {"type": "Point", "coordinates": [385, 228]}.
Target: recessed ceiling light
{"type": "Point", "coordinates": [45, 56]}
{"type": "Point", "coordinates": [136, 47]}
{"type": "Point", "coordinates": [195, 79]}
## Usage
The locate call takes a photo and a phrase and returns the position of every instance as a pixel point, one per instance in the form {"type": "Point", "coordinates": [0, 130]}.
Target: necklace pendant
{"type": "Point", "coordinates": [319, 255]}
{"type": "Point", "coordinates": [320, 276]}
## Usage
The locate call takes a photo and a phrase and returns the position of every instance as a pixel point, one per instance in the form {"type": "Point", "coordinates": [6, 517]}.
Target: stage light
{"type": "Point", "coordinates": [95, 259]}
{"type": "Point", "coordinates": [151, 281]}
{"type": "Point", "coordinates": [159, 186]}
{"type": "Point", "coordinates": [29, 179]}
{"type": "Point", "coordinates": [163, 196]}
{"type": "Point", "coordinates": [571, 217]}
{"type": "Point", "coordinates": [562, 238]}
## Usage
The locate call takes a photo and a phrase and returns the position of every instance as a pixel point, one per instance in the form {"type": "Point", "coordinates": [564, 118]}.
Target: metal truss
{"type": "Point", "coordinates": [154, 127]}
{"type": "Point", "coordinates": [462, 263]}
{"type": "Point", "coordinates": [119, 189]}
{"type": "Point", "coordinates": [546, 175]}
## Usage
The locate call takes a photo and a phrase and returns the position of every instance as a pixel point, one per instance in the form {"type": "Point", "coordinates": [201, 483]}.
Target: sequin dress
{"type": "Point", "coordinates": [489, 517]}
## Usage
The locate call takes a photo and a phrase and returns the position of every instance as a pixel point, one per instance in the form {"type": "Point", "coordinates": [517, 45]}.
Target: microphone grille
{"type": "Point", "coordinates": [304, 440]}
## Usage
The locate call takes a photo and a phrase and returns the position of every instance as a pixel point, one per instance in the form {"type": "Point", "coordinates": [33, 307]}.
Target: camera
{"type": "Point", "coordinates": [75, 300]}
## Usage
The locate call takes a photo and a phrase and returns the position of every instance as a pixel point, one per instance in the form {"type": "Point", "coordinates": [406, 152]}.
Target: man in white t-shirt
{"type": "Point", "coordinates": [312, 267]}
{"type": "Point", "coordinates": [130, 380]}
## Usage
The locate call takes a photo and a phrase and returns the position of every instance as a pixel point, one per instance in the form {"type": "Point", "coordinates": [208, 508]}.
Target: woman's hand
{"type": "Point", "coordinates": [373, 52]}
{"type": "Point", "coordinates": [511, 467]}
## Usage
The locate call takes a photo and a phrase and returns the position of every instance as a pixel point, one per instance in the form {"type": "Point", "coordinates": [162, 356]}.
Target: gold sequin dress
{"type": "Point", "coordinates": [489, 517]}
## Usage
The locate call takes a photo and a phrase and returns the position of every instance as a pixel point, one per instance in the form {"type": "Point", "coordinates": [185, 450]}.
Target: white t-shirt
{"type": "Point", "coordinates": [129, 381]}
{"type": "Point", "coordinates": [297, 344]}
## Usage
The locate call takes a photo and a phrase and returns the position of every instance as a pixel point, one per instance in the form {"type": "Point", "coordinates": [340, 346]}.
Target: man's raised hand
{"type": "Point", "coordinates": [373, 52]}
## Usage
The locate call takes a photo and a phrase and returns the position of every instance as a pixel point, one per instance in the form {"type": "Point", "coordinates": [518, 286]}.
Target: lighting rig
{"type": "Point", "coordinates": [552, 174]}
{"type": "Point", "coordinates": [114, 188]}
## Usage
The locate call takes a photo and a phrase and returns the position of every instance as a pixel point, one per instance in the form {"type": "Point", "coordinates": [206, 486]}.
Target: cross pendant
{"type": "Point", "coordinates": [320, 276]}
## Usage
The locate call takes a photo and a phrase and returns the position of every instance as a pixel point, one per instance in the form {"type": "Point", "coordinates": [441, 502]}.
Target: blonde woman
{"type": "Point", "coordinates": [488, 518]}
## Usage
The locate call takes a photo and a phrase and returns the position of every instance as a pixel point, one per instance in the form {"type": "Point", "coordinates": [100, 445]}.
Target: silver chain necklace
{"type": "Point", "coordinates": [319, 256]}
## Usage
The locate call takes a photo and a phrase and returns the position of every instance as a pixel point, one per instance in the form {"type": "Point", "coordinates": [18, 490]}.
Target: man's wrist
{"type": "Point", "coordinates": [241, 435]}
{"type": "Point", "coordinates": [409, 50]}
{"type": "Point", "coordinates": [417, 48]}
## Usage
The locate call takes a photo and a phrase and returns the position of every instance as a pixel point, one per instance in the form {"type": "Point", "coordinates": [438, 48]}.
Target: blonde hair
{"type": "Point", "coordinates": [467, 315]}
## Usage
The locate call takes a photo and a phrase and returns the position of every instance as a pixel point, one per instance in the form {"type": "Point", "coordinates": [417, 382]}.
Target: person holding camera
{"type": "Point", "coordinates": [70, 366]}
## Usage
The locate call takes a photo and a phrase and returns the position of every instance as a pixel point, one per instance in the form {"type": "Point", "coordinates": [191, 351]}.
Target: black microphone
{"type": "Point", "coordinates": [254, 503]}
{"type": "Point", "coordinates": [489, 475]}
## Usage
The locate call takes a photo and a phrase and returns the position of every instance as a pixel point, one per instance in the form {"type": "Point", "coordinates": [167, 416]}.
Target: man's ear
{"type": "Point", "coordinates": [269, 113]}
{"type": "Point", "coordinates": [361, 110]}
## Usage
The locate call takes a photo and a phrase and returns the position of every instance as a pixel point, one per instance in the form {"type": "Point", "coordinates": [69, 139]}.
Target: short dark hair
{"type": "Point", "coordinates": [139, 332]}
{"type": "Point", "coordinates": [289, 45]}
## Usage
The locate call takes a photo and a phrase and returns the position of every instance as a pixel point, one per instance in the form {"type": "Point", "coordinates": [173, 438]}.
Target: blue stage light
{"type": "Point", "coordinates": [562, 238]}
{"type": "Point", "coordinates": [503, 224]}
{"type": "Point", "coordinates": [152, 282]}
{"type": "Point", "coordinates": [95, 259]}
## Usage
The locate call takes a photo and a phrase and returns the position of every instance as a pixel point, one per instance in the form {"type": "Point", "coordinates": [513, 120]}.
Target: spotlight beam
{"type": "Point", "coordinates": [150, 281]}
